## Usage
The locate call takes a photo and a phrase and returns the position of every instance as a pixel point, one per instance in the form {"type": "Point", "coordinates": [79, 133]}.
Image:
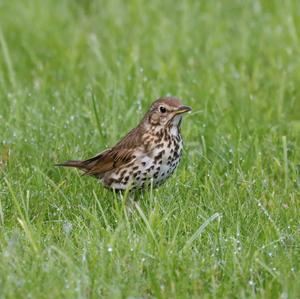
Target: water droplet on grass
{"type": "Point", "coordinates": [67, 227]}
{"type": "Point", "coordinates": [251, 283]}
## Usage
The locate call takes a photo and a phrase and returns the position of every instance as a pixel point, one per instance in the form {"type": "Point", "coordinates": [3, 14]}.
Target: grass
{"type": "Point", "coordinates": [75, 76]}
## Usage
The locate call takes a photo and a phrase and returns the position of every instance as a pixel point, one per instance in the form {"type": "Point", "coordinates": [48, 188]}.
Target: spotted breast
{"type": "Point", "coordinates": [153, 165]}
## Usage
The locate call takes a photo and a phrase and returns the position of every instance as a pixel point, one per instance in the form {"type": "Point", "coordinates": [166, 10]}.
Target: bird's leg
{"type": "Point", "coordinates": [131, 201]}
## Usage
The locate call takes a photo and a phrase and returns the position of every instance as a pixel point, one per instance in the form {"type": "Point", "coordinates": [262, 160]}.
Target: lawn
{"type": "Point", "coordinates": [75, 76]}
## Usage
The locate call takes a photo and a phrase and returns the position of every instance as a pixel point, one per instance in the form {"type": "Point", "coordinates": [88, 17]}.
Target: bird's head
{"type": "Point", "coordinates": [167, 111]}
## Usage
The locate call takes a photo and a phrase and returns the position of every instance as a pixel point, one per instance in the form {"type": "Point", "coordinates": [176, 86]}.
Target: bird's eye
{"type": "Point", "coordinates": [162, 109]}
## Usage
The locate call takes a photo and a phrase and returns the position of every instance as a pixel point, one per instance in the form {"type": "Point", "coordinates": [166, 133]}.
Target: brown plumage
{"type": "Point", "coordinates": [147, 155]}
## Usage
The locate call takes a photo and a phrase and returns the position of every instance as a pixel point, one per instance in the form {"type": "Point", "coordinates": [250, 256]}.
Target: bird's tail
{"type": "Point", "coordinates": [89, 166]}
{"type": "Point", "coordinates": [73, 163]}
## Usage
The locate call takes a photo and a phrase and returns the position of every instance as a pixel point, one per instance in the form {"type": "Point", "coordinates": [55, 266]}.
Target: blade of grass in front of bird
{"type": "Point", "coordinates": [200, 230]}
{"type": "Point", "coordinates": [146, 221]}
{"type": "Point", "coordinates": [96, 115]}
{"type": "Point", "coordinates": [7, 60]}
{"type": "Point", "coordinates": [285, 161]}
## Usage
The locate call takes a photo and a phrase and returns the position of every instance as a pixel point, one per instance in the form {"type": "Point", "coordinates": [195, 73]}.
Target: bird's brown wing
{"type": "Point", "coordinates": [121, 153]}
{"type": "Point", "coordinates": [107, 160]}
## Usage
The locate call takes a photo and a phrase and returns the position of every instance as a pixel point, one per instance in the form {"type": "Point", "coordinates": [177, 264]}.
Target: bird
{"type": "Point", "coordinates": [147, 156]}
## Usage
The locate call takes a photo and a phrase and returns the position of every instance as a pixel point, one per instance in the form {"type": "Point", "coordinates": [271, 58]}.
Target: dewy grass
{"type": "Point", "coordinates": [76, 76]}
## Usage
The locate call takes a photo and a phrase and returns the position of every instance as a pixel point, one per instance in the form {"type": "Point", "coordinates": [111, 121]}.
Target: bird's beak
{"type": "Point", "coordinates": [183, 109]}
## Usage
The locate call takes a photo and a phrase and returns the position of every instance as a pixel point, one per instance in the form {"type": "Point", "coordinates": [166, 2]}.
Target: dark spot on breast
{"type": "Point", "coordinates": [159, 156]}
{"type": "Point", "coordinates": [111, 181]}
{"type": "Point", "coordinates": [135, 168]}
{"type": "Point", "coordinates": [143, 163]}
{"type": "Point", "coordinates": [165, 133]}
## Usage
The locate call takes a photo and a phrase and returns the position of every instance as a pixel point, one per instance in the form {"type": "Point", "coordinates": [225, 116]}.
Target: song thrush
{"type": "Point", "coordinates": [147, 155]}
